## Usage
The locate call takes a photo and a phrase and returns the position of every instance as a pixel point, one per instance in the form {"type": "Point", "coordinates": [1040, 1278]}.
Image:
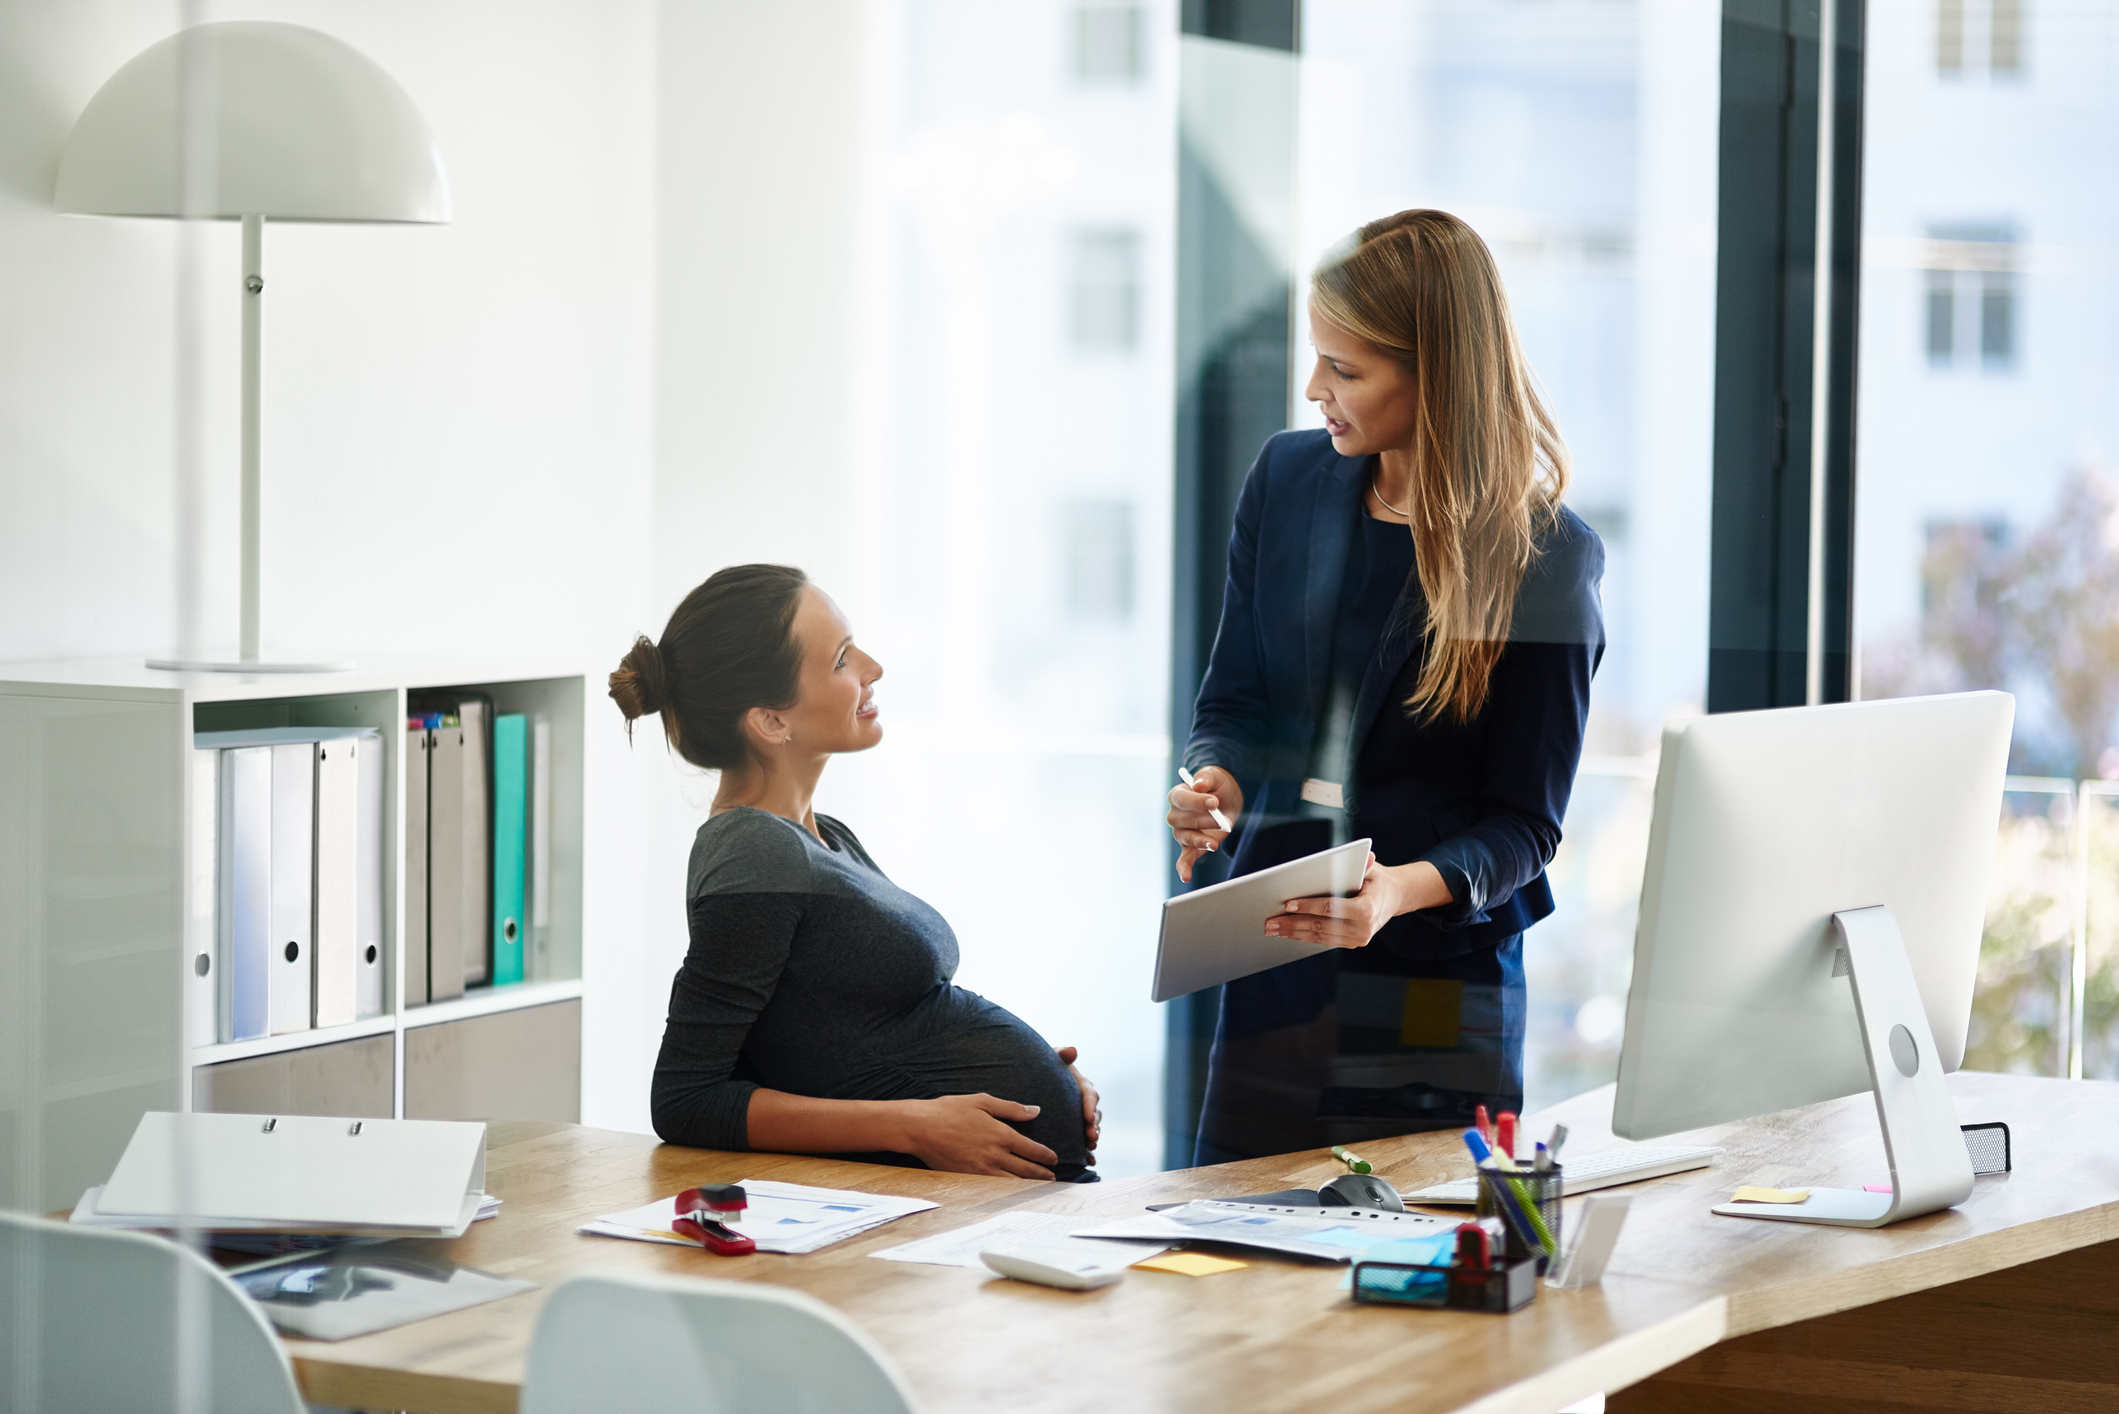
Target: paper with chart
{"type": "Point", "coordinates": [1334, 1234]}
{"type": "Point", "coordinates": [782, 1217]}
{"type": "Point", "coordinates": [961, 1247]}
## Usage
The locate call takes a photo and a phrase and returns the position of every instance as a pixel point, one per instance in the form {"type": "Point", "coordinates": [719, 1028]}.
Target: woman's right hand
{"type": "Point", "coordinates": [965, 1134]}
{"type": "Point", "coordinates": [1191, 818]}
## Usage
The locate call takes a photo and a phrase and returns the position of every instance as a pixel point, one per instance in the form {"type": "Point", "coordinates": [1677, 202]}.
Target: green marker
{"type": "Point", "coordinates": [1353, 1163]}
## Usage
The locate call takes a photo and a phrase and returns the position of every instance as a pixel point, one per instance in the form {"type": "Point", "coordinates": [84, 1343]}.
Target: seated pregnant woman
{"type": "Point", "coordinates": [815, 1012]}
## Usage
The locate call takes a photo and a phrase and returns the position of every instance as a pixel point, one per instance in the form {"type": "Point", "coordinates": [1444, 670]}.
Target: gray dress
{"type": "Point", "coordinates": [811, 973]}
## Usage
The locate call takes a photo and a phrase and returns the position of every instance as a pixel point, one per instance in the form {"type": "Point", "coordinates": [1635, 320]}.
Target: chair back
{"type": "Point", "coordinates": [96, 1322]}
{"type": "Point", "coordinates": [626, 1343]}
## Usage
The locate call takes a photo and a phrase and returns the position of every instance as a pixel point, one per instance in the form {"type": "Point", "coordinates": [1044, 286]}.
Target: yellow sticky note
{"type": "Point", "coordinates": [1749, 1194]}
{"type": "Point", "coordinates": [1190, 1264]}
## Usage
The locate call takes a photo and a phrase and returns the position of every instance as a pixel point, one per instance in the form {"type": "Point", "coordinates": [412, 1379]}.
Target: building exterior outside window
{"type": "Point", "coordinates": [1971, 307]}
{"type": "Point", "coordinates": [1106, 291]}
{"type": "Point", "coordinates": [1974, 37]}
{"type": "Point", "coordinates": [1108, 43]}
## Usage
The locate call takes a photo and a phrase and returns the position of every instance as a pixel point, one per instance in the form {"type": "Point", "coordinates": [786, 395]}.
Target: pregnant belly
{"type": "Point", "coordinates": [985, 1050]}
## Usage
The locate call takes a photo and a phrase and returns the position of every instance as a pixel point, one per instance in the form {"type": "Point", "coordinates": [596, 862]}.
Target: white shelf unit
{"type": "Point", "coordinates": [93, 889]}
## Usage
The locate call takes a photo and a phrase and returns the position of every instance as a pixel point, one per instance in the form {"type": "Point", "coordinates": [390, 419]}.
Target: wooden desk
{"type": "Point", "coordinates": [1281, 1336]}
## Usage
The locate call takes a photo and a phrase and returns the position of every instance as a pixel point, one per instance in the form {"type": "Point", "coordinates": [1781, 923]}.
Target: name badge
{"type": "Point", "coordinates": [1325, 793]}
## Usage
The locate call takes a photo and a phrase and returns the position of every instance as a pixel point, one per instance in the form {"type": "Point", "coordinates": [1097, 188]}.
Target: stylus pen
{"type": "Point", "coordinates": [1188, 778]}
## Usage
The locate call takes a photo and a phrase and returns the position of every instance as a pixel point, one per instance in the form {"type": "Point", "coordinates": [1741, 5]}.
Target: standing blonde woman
{"type": "Point", "coordinates": [1407, 638]}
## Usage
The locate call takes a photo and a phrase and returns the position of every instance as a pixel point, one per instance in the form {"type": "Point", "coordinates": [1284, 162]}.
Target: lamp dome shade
{"type": "Point", "coordinates": [296, 126]}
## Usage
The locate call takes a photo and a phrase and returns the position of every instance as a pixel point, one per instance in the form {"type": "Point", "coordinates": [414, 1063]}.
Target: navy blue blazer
{"type": "Point", "coordinates": [1481, 800]}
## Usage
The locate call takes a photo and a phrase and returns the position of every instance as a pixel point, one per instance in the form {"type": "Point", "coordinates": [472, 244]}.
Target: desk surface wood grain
{"type": "Point", "coordinates": [1278, 1335]}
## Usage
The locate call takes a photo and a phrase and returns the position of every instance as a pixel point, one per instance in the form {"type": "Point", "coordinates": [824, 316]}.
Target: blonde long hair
{"type": "Point", "coordinates": [1489, 468]}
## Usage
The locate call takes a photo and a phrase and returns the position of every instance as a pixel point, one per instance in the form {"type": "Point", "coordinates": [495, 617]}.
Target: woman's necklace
{"type": "Point", "coordinates": [1386, 504]}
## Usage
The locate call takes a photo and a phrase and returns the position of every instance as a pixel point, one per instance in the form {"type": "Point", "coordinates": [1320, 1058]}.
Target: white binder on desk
{"type": "Point", "coordinates": [294, 1173]}
{"type": "Point", "coordinates": [291, 963]}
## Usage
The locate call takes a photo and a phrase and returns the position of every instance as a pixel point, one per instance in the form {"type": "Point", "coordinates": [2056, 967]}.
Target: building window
{"type": "Point", "coordinates": [1106, 291]}
{"type": "Point", "coordinates": [1108, 44]}
{"type": "Point", "coordinates": [1096, 560]}
{"type": "Point", "coordinates": [1970, 310]}
{"type": "Point", "coordinates": [1949, 37]}
{"type": "Point", "coordinates": [1978, 37]}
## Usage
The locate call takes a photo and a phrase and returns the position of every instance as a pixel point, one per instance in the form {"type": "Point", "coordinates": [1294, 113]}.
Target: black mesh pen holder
{"type": "Point", "coordinates": [1528, 1203]}
{"type": "Point", "coordinates": [1497, 1290]}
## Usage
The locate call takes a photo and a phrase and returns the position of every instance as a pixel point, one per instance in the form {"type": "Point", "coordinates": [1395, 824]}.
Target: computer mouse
{"type": "Point", "coordinates": [1361, 1190]}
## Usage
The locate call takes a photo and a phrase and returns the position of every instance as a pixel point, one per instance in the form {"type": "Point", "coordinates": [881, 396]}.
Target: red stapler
{"type": "Point", "coordinates": [704, 1214]}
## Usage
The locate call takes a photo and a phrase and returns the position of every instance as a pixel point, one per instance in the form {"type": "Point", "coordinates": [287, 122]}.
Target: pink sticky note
{"type": "Point", "coordinates": [1877, 1188]}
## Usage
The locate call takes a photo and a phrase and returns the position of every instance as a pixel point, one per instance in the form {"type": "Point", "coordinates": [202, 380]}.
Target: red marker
{"type": "Point", "coordinates": [1505, 1145]}
{"type": "Point", "coordinates": [1484, 1125]}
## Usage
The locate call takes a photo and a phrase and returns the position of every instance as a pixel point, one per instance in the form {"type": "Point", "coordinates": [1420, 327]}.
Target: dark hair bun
{"type": "Point", "coordinates": [641, 684]}
{"type": "Point", "coordinates": [729, 647]}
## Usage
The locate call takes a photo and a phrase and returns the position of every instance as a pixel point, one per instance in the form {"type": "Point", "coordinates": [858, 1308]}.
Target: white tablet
{"type": "Point", "coordinates": [1217, 934]}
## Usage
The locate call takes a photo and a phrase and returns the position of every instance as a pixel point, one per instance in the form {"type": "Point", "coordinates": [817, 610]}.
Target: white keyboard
{"type": "Point", "coordinates": [1591, 1171]}
{"type": "Point", "coordinates": [1075, 1264]}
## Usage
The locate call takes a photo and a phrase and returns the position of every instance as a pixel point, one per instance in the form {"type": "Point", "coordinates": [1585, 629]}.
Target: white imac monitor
{"type": "Point", "coordinates": [1810, 922]}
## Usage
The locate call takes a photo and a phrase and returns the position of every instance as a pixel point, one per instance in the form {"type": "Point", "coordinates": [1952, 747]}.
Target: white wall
{"type": "Point", "coordinates": [458, 419]}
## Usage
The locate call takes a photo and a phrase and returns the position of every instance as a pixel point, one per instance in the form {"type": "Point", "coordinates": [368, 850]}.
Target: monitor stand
{"type": "Point", "coordinates": [1930, 1167]}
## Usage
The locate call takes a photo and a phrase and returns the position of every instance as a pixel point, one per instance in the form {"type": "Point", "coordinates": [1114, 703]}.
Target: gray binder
{"type": "Point", "coordinates": [419, 756]}
{"type": "Point", "coordinates": [368, 927]}
{"type": "Point", "coordinates": [478, 847]}
{"type": "Point", "coordinates": [447, 867]}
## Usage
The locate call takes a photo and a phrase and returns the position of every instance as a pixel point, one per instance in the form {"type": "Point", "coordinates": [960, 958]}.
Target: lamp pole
{"type": "Point", "coordinates": [253, 308]}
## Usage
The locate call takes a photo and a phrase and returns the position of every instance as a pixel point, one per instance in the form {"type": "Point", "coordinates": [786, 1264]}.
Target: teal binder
{"type": "Point", "coordinates": [511, 819]}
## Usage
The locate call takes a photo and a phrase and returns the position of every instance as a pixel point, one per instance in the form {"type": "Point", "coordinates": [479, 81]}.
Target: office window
{"type": "Point", "coordinates": [1986, 522]}
{"type": "Point", "coordinates": [1096, 550]}
{"type": "Point", "coordinates": [1970, 306]}
{"type": "Point", "coordinates": [1978, 37]}
{"type": "Point", "coordinates": [1105, 293]}
{"type": "Point", "coordinates": [1108, 44]}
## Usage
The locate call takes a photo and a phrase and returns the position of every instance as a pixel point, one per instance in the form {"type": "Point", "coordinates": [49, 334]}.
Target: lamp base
{"type": "Point", "coordinates": [243, 665]}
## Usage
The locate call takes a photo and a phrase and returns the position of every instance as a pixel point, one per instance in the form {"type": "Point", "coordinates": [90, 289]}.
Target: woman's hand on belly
{"type": "Point", "coordinates": [1092, 1103]}
{"type": "Point", "coordinates": [965, 1134]}
{"type": "Point", "coordinates": [1385, 893]}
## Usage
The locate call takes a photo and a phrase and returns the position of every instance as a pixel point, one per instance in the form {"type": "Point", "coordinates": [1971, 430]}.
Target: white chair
{"type": "Point", "coordinates": [97, 1322]}
{"type": "Point", "coordinates": [619, 1343]}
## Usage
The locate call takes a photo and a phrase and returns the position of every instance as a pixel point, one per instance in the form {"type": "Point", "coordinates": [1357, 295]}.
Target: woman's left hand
{"type": "Point", "coordinates": [1092, 1103]}
{"type": "Point", "coordinates": [1350, 922]}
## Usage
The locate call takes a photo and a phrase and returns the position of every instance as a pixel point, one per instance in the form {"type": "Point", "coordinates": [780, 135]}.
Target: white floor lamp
{"type": "Point", "coordinates": [250, 120]}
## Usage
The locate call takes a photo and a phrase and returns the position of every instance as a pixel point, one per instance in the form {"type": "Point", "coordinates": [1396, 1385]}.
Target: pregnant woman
{"type": "Point", "coordinates": [815, 1012]}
